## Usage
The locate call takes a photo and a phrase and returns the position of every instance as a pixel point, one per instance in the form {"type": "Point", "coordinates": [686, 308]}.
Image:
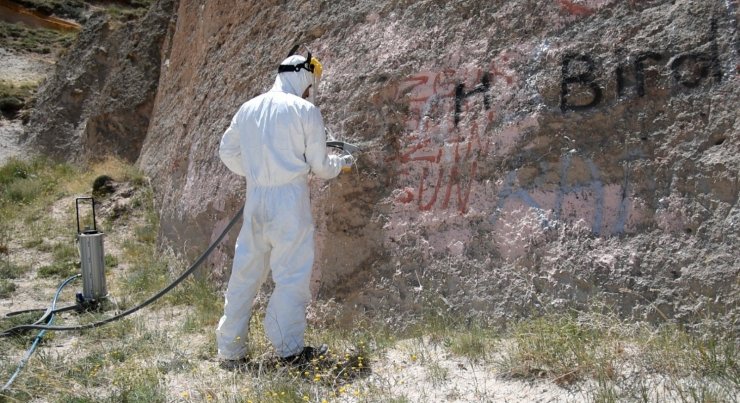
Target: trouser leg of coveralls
{"type": "Point", "coordinates": [290, 233]}
{"type": "Point", "coordinates": [285, 318]}
{"type": "Point", "coordinates": [247, 275]}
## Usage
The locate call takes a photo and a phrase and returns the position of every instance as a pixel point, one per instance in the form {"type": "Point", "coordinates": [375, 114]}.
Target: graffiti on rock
{"type": "Point", "coordinates": [688, 70]}
{"type": "Point", "coordinates": [582, 78]}
{"type": "Point", "coordinates": [450, 113]}
{"type": "Point", "coordinates": [605, 208]}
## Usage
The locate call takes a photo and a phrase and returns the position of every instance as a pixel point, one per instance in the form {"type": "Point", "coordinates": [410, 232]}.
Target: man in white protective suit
{"type": "Point", "coordinates": [275, 140]}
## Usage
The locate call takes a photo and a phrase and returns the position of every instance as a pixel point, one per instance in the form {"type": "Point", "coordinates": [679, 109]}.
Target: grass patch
{"type": "Point", "coordinates": [474, 344]}
{"type": "Point", "coordinates": [10, 270]}
{"type": "Point", "coordinates": [27, 187]}
{"type": "Point", "coordinates": [138, 384]}
{"type": "Point", "coordinates": [73, 9]}
{"type": "Point", "coordinates": [627, 361]}
{"type": "Point", "coordinates": [6, 288]}
{"type": "Point", "coordinates": [135, 9]}
{"type": "Point", "coordinates": [87, 370]}
{"type": "Point", "coordinates": [21, 38]}
{"type": "Point", "coordinates": [64, 251]}
{"type": "Point", "coordinates": [35, 243]}
{"type": "Point", "coordinates": [670, 350]}
{"type": "Point", "coordinates": [147, 275]}
{"type": "Point", "coordinates": [125, 13]}
{"type": "Point", "coordinates": [560, 348]}
{"type": "Point", "coordinates": [149, 270]}
{"type": "Point", "coordinates": [110, 261]}
{"type": "Point", "coordinates": [66, 262]}
{"type": "Point", "coordinates": [201, 295]}
{"type": "Point", "coordinates": [59, 270]}
{"type": "Point", "coordinates": [16, 96]}
{"type": "Point", "coordinates": [25, 190]}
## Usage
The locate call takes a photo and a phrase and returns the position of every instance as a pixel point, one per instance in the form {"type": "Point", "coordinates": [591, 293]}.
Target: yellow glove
{"type": "Point", "coordinates": [347, 161]}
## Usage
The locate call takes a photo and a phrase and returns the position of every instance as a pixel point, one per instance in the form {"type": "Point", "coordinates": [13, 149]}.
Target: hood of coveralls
{"type": "Point", "coordinates": [293, 82]}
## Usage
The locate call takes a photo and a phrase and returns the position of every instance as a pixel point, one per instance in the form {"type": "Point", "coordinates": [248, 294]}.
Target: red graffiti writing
{"type": "Point", "coordinates": [450, 113]}
{"type": "Point", "coordinates": [575, 9]}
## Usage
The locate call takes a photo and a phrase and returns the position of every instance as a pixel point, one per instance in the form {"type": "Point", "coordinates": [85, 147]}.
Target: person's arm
{"type": "Point", "coordinates": [322, 164]}
{"type": "Point", "coordinates": [230, 150]}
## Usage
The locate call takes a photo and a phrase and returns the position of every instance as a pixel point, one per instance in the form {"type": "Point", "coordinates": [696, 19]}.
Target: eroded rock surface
{"type": "Point", "coordinates": [100, 98]}
{"type": "Point", "coordinates": [519, 155]}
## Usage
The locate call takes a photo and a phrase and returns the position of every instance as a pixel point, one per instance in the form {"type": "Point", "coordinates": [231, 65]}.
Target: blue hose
{"type": "Point", "coordinates": [36, 342]}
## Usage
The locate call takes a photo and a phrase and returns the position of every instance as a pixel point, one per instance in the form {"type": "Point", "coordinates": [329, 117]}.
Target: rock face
{"type": "Point", "coordinates": [100, 98]}
{"type": "Point", "coordinates": [518, 155]}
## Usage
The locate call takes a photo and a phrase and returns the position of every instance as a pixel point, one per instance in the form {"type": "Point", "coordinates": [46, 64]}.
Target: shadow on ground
{"type": "Point", "coordinates": [330, 370]}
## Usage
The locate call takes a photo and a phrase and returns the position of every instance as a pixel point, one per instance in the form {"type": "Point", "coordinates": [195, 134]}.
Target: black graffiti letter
{"type": "Point", "coordinates": [714, 49]}
{"type": "Point", "coordinates": [690, 68]}
{"type": "Point", "coordinates": [639, 66]}
{"type": "Point", "coordinates": [640, 70]}
{"type": "Point", "coordinates": [697, 68]}
{"type": "Point", "coordinates": [482, 88]}
{"type": "Point", "coordinates": [582, 78]}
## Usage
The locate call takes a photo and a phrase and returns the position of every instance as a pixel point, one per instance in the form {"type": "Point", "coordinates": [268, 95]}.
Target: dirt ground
{"type": "Point", "coordinates": [10, 133]}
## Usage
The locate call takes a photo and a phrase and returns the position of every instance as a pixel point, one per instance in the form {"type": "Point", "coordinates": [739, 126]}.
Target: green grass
{"type": "Point", "coordinates": [125, 13]}
{"type": "Point", "coordinates": [10, 270]}
{"type": "Point", "coordinates": [560, 348]}
{"type": "Point", "coordinates": [33, 184]}
{"type": "Point", "coordinates": [65, 261]}
{"type": "Point", "coordinates": [21, 38]}
{"type": "Point", "coordinates": [570, 348]}
{"type": "Point", "coordinates": [671, 350]}
{"type": "Point", "coordinates": [36, 243]}
{"type": "Point", "coordinates": [59, 270]}
{"type": "Point", "coordinates": [6, 288]}
{"type": "Point", "coordinates": [110, 261]}
{"type": "Point", "coordinates": [14, 97]}
{"type": "Point", "coordinates": [64, 251]}
{"type": "Point", "coordinates": [203, 297]}
{"type": "Point", "coordinates": [63, 8]}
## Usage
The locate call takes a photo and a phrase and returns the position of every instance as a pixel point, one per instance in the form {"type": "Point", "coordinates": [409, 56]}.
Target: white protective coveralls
{"type": "Point", "coordinates": [274, 140]}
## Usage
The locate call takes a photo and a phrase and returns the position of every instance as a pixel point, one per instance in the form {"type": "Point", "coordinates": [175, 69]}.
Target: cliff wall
{"type": "Point", "coordinates": [99, 100]}
{"type": "Point", "coordinates": [518, 155]}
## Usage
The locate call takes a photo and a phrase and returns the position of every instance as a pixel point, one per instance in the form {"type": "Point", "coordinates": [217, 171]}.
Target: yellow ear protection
{"type": "Point", "coordinates": [311, 64]}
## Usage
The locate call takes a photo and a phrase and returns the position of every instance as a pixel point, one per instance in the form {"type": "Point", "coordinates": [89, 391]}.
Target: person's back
{"type": "Point", "coordinates": [274, 130]}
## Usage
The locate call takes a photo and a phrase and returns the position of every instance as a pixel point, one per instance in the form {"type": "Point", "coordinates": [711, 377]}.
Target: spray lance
{"type": "Point", "coordinates": [344, 147]}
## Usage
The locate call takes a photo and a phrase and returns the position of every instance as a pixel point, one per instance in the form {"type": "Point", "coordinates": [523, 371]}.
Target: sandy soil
{"type": "Point", "coordinates": [422, 371]}
{"type": "Point", "coordinates": [10, 134]}
{"type": "Point", "coordinates": [24, 68]}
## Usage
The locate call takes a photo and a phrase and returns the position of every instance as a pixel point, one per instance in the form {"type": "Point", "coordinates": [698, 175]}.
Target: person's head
{"type": "Point", "coordinates": [301, 74]}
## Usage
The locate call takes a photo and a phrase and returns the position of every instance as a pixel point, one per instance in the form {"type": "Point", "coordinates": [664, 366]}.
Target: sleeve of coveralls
{"type": "Point", "coordinates": [230, 150]}
{"type": "Point", "coordinates": [322, 164]}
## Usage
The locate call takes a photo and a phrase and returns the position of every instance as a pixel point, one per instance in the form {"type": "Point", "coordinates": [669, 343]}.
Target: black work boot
{"type": "Point", "coordinates": [237, 365]}
{"type": "Point", "coordinates": [306, 355]}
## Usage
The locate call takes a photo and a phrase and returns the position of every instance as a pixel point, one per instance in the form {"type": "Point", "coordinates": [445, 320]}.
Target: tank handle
{"type": "Point", "coordinates": [77, 210]}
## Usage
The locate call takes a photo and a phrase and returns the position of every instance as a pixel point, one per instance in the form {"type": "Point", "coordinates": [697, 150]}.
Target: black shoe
{"type": "Point", "coordinates": [239, 364]}
{"type": "Point", "coordinates": [306, 356]}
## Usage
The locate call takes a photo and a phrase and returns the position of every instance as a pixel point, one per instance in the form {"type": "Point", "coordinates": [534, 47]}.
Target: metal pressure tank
{"type": "Point", "coordinates": [92, 258]}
